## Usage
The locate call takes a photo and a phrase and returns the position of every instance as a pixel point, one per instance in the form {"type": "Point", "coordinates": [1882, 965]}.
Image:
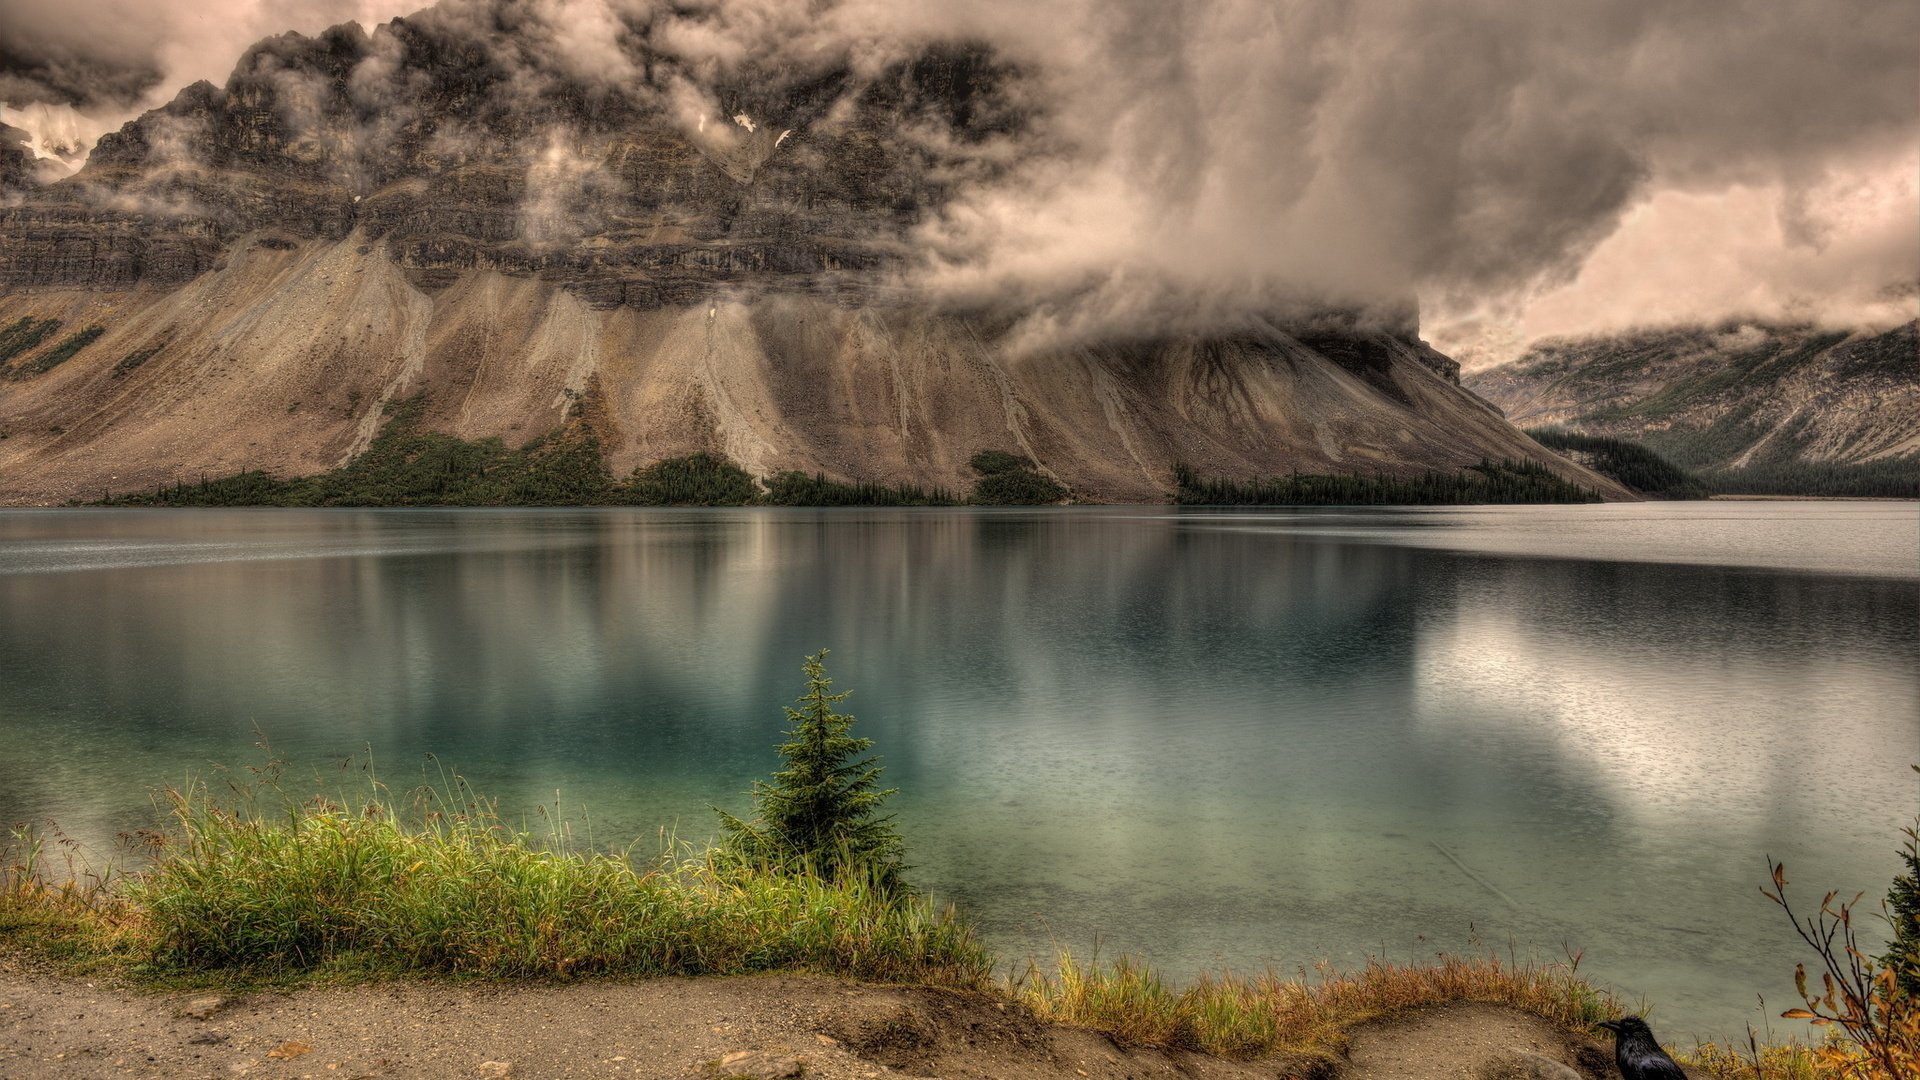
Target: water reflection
{"type": "Point", "coordinates": [1242, 739]}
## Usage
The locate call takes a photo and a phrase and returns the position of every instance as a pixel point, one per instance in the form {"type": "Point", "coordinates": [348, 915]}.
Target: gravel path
{"type": "Point", "coordinates": [58, 1027]}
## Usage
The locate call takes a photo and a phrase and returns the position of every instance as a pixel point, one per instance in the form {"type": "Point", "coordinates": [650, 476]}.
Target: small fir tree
{"type": "Point", "coordinates": [1903, 907]}
{"type": "Point", "coordinates": [822, 811]}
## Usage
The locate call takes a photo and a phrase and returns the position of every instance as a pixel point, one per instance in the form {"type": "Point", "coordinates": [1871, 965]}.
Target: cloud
{"type": "Point", "coordinates": [562, 188]}
{"type": "Point", "coordinates": [1232, 153]}
{"type": "Point", "coordinates": [1192, 164]}
{"type": "Point", "coordinates": [1843, 251]}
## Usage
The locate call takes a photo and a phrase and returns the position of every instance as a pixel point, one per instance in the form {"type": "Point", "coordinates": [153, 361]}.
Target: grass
{"type": "Point", "coordinates": [1758, 1061]}
{"type": "Point", "coordinates": [1231, 1016]}
{"type": "Point", "coordinates": [263, 890]}
{"type": "Point", "coordinates": [444, 886]}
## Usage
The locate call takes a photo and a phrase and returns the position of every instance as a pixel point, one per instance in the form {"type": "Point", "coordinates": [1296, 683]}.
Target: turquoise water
{"type": "Point", "coordinates": [1210, 738]}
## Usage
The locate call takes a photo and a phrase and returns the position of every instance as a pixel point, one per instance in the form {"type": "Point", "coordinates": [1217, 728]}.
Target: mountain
{"type": "Point", "coordinates": [686, 258]}
{"type": "Point", "coordinates": [1751, 408]}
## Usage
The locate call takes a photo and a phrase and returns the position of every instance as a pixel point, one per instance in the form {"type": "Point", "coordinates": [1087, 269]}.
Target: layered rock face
{"type": "Point", "coordinates": [460, 154]}
{"type": "Point", "coordinates": [440, 207]}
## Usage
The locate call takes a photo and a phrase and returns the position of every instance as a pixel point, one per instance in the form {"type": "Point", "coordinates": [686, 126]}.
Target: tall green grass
{"type": "Point", "coordinates": [447, 886]}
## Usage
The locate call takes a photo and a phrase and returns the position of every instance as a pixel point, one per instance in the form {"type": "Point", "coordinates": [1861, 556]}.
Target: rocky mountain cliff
{"type": "Point", "coordinates": [1786, 409]}
{"type": "Point", "coordinates": [703, 259]}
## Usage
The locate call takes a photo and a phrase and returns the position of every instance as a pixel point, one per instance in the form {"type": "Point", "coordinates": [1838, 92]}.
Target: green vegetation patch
{"type": "Point", "coordinates": [1890, 478]}
{"type": "Point", "coordinates": [1630, 463]}
{"type": "Point", "coordinates": [1487, 482]}
{"type": "Point", "coordinates": [693, 480]}
{"type": "Point", "coordinates": [1008, 479]}
{"type": "Point", "coordinates": [448, 887]}
{"type": "Point", "coordinates": [405, 466]}
{"type": "Point", "coordinates": [23, 335]}
{"type": "Point", "coordinates": [1885, 356]}
{"type": "Point", "coordinates": [60, 353]}
{"type": "Point", "coordinates": [1780, 467]}
{"type": "Point", "coordinates": [1702, 448]}
{"type": "Point", "coordinates": [799, 489]}
{"type": "Point", "coordinates": [135, 359]}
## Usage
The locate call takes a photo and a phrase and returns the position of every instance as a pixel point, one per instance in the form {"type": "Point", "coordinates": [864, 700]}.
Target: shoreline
{"type": "Point", "coordinates": [62, 1027]}
{"type": "Point", "coordinates": [8, 504]}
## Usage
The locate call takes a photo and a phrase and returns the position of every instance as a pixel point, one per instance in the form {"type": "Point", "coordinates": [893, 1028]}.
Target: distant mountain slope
{"type": "Point", "coordinates": [1785, 409]}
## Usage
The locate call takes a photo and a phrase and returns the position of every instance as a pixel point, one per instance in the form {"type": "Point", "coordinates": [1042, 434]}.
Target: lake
{"type": "Point", "coordinates": [1209, 738]}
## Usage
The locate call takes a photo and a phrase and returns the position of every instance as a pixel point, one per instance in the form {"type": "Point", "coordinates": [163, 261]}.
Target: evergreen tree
{"type": "Point", "coordinates": [1903, 907]}
{"type": "Point", "coordinates": [822, 811]}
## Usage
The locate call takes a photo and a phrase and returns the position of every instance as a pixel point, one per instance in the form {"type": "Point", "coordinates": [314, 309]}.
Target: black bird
{"type": "Point", "coordinates": [1637, 1054]}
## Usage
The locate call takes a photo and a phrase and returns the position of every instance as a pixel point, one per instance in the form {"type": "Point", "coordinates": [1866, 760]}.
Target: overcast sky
{"type": "Point", "coordinates": [1526, 168]}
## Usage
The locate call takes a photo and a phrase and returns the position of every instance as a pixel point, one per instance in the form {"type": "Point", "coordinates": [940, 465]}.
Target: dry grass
{"type": "Point", "coordinates": [76, 917]}
{"type": "Point", "coordinates": [1246, 1017]}
{"type": "Point", "coordinates": [1788, 1061]}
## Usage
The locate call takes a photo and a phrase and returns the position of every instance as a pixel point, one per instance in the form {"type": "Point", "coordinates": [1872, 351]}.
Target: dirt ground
{"type": "Point", "coordinates": [685, 1029]}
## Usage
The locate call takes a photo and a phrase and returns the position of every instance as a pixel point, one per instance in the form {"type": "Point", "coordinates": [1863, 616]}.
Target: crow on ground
{"type": "Point", "coordinates": [1636, 1052]}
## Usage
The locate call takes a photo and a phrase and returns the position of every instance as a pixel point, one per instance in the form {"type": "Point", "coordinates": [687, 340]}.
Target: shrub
{"type": "Point", "coordinates": [1871, 1002]}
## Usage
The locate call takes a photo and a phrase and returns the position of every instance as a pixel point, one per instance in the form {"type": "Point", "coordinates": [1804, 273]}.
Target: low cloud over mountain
{"type": "Point", "coordinates": [1166, 163]}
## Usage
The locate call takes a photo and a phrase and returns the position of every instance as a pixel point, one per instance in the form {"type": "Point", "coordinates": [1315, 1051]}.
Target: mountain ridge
{"type": "Point", "coordinates": [1747, 405]}
{"type": "Point", "coordinates": [356, 218]}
